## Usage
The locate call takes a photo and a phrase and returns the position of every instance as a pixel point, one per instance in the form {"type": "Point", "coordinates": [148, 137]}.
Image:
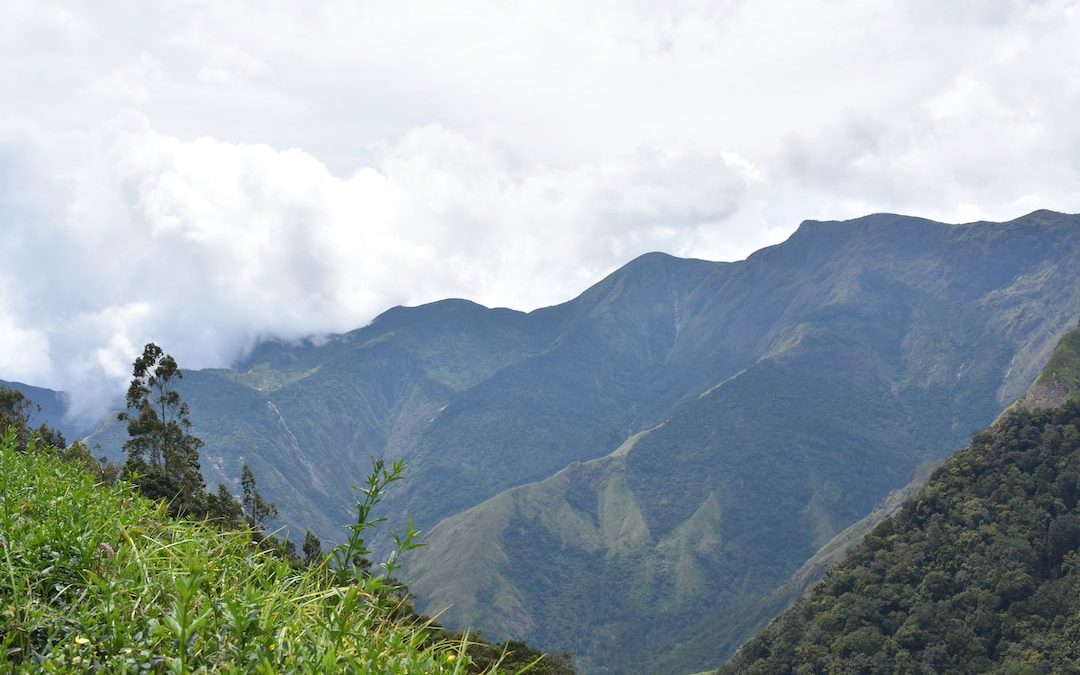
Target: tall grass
{"type": "Point", "coordinates": [98, 578]}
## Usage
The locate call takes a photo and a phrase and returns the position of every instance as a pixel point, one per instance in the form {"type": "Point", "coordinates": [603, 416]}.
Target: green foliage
{"type": "Point", "coordinates": [350, 559]}
{"type": "Point", "coordinates": [313, 553]}
{"type": "Point", "coordinates": [98, 578]}
{"type": "Point", "coordinates": [511, 656]}
{"type": "Point", "coordinates": [162, 457]}
{"type": "Point", "coordinates": [222, 508]}
{"type": "Point", "coordinates": [257, 509]}
{"type": "Point", "coordinates": [15, 411]}
{"type": "Point", "coordinates": [977, 573]}
{"type": "Point", "coordinates": [1062, 371]}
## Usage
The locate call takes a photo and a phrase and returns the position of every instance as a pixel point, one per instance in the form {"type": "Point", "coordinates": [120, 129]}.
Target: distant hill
{"type": "Point", "coordinates": [978, 572]}
{"type": "Point", "coordinates": [51, 407]}
{"type": "Point", "coordinates": [666, 449]}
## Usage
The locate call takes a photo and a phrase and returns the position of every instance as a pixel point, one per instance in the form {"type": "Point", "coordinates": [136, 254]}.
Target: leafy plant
{"type": "Point", "coordinates": [350, 559]}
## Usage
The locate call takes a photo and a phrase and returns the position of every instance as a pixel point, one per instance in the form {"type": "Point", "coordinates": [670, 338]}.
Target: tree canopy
{"type": "Point", "coordinates": [978, 573]}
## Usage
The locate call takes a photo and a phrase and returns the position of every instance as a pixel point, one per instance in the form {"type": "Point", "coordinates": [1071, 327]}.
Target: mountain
{"type": "Point", "coordinates": [50, 407]}
{"type": "Point", "coordinates": [476, 400]}
{"type": "Point", "coordinates": [978, 572]}
{"type": "Point", "coordinates": [665, 450]}
{"type": "Point", "coordinates": [854, 352]}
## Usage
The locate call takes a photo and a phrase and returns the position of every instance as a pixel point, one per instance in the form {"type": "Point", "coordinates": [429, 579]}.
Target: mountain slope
{"type": "Point", "coordinates": [50, 407]}
{"type": "Point", "coordinates": [976, 573]}
{"type": "Point", "coordinates": [882, 353]}
{"type": "Point", "coordinates": [795, 388]}
{"type": "Point", "coordinates": [476, 400]}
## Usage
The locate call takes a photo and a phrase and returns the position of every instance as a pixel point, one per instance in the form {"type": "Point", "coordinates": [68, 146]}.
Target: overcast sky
{"type": "Point", "coordinates": [203, 174]}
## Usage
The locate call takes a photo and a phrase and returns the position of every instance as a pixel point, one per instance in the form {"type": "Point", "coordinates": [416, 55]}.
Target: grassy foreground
{"type": "Point", "coordinates": [98, 578]}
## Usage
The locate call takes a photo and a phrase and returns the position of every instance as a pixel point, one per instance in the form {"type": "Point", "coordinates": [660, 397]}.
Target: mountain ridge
{"type": "Point", "coordinates": [834, 363]}
{"type": "Point", "coordinates": [864, 348]}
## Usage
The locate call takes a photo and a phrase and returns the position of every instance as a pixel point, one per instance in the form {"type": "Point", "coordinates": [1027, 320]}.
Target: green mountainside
{"type": "Point", "coordinates": [1060, 379]}
{"type": "Point", "coordinates": [774, 401]}
{"type": "Point", "coordinates": [885, 353]}
{"type": "Point", "coordinates": [978, 572]}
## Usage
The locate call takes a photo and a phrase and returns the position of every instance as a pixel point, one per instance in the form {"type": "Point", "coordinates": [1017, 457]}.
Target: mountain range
{"type": "Point", "coordinates": [634, 474]}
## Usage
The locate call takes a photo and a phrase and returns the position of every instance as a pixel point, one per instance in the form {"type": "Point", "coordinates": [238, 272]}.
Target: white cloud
{"type": "Point", "coordinates": [206, 245]}
{"type": "Point", "coordinates": [203, 175]}
{"type": "Point", "coordinates": [130, 84]}
{"type": "Point", "coordinates": [24, 352]}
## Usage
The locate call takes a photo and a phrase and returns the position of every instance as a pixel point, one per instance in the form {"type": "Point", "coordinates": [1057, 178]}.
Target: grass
{"type": "Point", "coordinates": [98, 578]}
{"type": "Point", "coordinates": [1064, 364]}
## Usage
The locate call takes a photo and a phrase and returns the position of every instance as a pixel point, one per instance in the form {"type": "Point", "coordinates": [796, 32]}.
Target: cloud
{"type": "Point", "coordinates": [995, 137]}
{"type": "Point", "coordinates": [130, 84]}
{"type": "Point", "coordinates": [24, 352]}
{"type": "Point", "coordinates": [208, 175]}
{"type": "Point", "coordinates": [207, 245]}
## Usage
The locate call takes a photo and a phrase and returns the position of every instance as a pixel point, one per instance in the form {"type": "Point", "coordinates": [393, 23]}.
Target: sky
{"type": "Point", "coordinates": [208, 174]}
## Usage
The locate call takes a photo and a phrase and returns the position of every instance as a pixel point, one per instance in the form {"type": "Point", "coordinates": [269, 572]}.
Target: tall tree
{"type": "Point", "coordinates": [163, 458]}
{"type": "Point", "coordinates": [257, 509]}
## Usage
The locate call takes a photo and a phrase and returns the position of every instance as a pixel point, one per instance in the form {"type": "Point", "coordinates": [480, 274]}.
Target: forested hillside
{"type": "Point", "coordinates": [979, 572]}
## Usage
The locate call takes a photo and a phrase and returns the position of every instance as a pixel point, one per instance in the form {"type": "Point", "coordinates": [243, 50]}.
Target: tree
{"type": "Point", "coordinates": [15, 411]}
{"type": "Point", "coordinates": [163, 458]}
{"type": "Point", "coordinates": [257, 509]}
{"type": "Point", "coordinates": [14, 408]}
{"type": "Point", "coordinates": [313, 553]}
{"type": "Point", "coordinates": [223, 508]}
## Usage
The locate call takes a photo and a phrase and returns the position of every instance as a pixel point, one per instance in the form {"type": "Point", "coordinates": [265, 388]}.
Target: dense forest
{"type": "Point", "coordinates": [978, 573]}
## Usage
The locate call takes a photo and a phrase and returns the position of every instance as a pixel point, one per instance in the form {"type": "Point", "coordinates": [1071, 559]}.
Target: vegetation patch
{"type": "Point", "coordinates": [979, 572]}
{"type": "Point", "coordinates": [94, 576]}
